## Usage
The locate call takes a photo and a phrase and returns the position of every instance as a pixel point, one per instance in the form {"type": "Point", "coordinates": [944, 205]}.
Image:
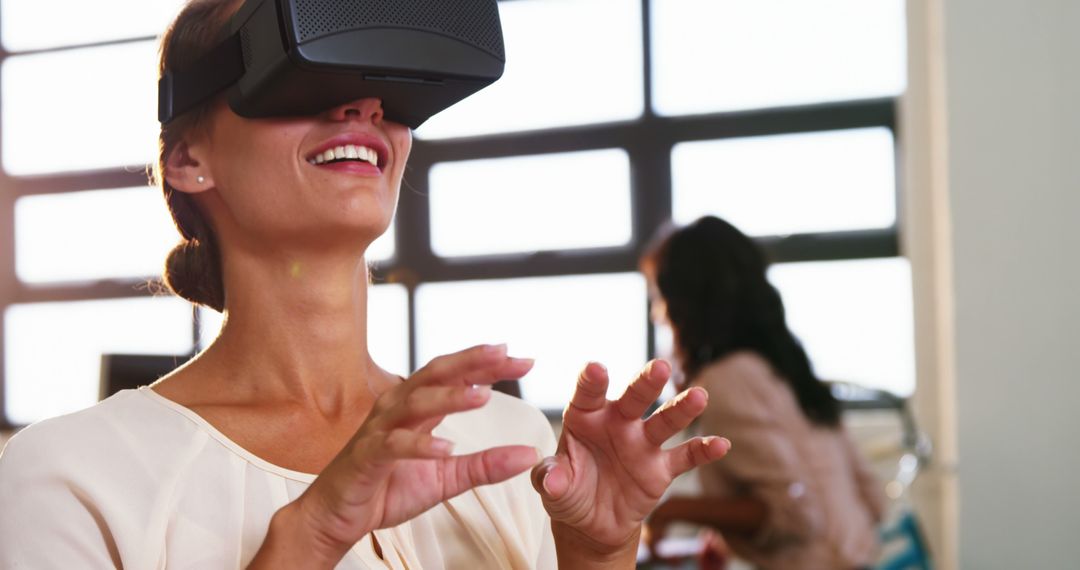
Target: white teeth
{"type": "Point", "coordinates": [369, 155]}
{"type": "Point", "coordinates": [347, 152]}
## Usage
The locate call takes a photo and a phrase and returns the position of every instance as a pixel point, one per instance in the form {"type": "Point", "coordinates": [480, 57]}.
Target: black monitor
{"type": "Point", "coordinates": [125, 371]}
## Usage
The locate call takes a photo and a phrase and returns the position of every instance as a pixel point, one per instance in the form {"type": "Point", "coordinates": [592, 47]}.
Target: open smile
{"type": "Point", "coordinates": [355, 152]}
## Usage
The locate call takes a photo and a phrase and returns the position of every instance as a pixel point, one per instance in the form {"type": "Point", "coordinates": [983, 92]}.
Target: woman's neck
{"type": "Point", "coordinates": [296, 330]}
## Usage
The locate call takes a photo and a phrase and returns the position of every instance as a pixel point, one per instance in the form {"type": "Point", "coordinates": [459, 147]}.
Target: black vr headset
{"type": "Point", "coordinates": [302, 57]}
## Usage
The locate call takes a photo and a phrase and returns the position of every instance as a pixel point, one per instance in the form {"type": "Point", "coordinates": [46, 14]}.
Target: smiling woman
{"type": "Point", "coordinates": [283, 444]}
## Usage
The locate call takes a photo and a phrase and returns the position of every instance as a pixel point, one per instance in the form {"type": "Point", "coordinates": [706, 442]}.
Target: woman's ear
{"type": "Point", "coordinates": [185, 172]}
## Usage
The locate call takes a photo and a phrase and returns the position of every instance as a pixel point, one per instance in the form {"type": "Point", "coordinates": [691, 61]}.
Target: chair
{"type": "Point", "coordinates": [904, 545]}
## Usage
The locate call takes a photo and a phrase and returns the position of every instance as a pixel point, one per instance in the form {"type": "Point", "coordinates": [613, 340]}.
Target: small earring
{"type": "Point", "coordinates": [201, 179]}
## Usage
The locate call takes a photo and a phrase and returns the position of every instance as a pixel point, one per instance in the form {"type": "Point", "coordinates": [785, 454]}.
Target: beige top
{"type": "Point", "coordinates": [823, 501]}
{"type": "Point", "coordinates": [140, 482]}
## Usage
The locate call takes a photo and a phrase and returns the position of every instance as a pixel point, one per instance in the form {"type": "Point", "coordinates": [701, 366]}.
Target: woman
{"type": "Point", "coordinates": [793, 493]}
{"type": "Point", "coordinates": [283, 445]}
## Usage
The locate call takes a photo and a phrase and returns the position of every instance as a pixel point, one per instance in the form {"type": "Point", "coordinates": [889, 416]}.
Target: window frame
{"type": "Point", "coordinates": [647, 140]}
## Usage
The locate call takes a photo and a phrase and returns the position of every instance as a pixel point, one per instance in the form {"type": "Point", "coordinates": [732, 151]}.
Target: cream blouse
{"type": "Point", "coordinates": [141, 482]}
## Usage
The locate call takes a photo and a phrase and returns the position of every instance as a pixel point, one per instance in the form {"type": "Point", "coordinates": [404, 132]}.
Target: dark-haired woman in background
{"type": "Point", "coordinates": [793, 492]}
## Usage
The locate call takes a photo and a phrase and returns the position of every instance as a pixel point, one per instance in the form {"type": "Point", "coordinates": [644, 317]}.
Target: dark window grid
{"type": "Point", "coordinates": [648, 141]}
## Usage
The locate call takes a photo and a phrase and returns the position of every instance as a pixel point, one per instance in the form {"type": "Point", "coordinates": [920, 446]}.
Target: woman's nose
{"type": "Point", "coordinates": [368, 109]}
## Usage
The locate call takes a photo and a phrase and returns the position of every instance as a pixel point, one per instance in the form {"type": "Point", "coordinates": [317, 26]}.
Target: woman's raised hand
{"type": "Point", "coordinates": [394, 469]}
{"type": "Point", "coordinates": [610, 471]}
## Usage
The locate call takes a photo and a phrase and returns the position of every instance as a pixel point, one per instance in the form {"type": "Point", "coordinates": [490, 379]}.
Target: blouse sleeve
{"type": "Point", "coordinates": [764, 461]}
{"type": "Point", "coordinates": [46, 521]}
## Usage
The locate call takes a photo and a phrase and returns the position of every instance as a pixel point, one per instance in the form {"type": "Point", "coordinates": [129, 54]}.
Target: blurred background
{"type": "Point", "coordinates": [908, 166]}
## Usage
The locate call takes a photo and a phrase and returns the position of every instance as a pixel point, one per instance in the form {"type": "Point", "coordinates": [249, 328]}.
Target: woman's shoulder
{"type": "Point", "coordinates": [123, 428]}
{"type": "Point", "coordinates": [505, 420]}
{"type": "Point", "coordinates": [81, 490]}
{"type": "Point", "coordinates": [740, 369]}
{"type": "Point", "coordinates": [746, 382]}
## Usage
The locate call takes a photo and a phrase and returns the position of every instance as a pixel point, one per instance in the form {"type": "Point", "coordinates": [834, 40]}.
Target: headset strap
{"type": "Point", "coordinates": [179, 92]}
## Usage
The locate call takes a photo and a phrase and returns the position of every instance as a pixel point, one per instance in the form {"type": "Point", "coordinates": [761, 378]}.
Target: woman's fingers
{"type": "Point", "coordinates": [642, 392]}
{"type": "Point", "coordinates": [423, 404]}
{"type": "Point", "coordinates": [591, 391]}
{"type": "Point", "coordinates": [384, 448]}
{"type": "Point", "coordinates": [446, 385]}
{"type": "Point", "coordinates": [695, 452]}
{"type": "Point", "coordinates": [494, 465]}
{"type": "Point", "coordinates": [485, 364]}
{"type": "Point", "coordinates": [551, 477]}
{"type": "Point", "coordinates": [408, 444]}
{"type": "Point", "coordinates": [675, 415]}
{"type": "Point", "coordinates": [373, 457]}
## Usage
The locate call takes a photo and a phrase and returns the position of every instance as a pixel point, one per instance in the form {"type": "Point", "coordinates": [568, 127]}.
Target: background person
{"type": "Point", "coordinates": [793, 492]}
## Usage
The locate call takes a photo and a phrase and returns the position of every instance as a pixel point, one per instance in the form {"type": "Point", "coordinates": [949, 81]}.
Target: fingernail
{"type": "Point", "coordinates": [477, 393]}
{"type": "Point", "coordinates": [529, 361]}
{"type": "Point", "coordinates": [495, 348]}
{"type": "Point", "coordinates": [544, 483]}
{"type": "Point", "coordinates": [725, 441]}
{"type": "Point", "coordinates": [442, 446]}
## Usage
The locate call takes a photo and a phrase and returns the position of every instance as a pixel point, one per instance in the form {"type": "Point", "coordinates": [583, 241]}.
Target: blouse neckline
{"type": "Point", "coordinates": [224, 440]}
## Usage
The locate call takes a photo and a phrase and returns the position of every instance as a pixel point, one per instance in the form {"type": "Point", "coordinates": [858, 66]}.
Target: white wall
{"type": "Point", "coordinates": [1012, 121]}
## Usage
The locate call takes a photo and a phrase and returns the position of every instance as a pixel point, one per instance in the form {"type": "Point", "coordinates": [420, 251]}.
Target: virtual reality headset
{"type": "Point", "coordinates": [303, 57]}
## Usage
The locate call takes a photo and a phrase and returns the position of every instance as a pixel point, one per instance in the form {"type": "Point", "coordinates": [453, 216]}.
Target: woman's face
{"type": "Point", "coordinates": [321, 180]}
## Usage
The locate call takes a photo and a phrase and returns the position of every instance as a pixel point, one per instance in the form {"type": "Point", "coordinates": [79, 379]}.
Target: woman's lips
{"type": "Point", "coordinates": [352, 167]}
{"type": "Point", "coordinates": [353, 147]}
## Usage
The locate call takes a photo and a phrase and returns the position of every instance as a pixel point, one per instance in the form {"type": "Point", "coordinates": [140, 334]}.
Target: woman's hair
{"type": "Point", "coordinates": [193, 268]}
{"type": "Point", "coordinates": [712, 278]}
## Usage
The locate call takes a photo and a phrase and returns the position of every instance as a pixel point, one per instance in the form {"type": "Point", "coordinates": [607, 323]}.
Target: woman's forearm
{"type": "Point", "coordinates": [289, 544]}
{"type": "Point", "coordinates": [578, 552]}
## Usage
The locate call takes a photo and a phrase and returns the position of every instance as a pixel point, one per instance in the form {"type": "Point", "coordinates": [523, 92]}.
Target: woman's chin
{"type": "Point", "coordinates": [332, 238]}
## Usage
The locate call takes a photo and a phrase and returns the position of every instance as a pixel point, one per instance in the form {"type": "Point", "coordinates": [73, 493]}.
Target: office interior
{"type": "Point", "coordinates": [909, 167]}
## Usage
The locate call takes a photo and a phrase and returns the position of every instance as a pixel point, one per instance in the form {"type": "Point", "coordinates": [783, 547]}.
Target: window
{"type": "Point", "coordinates": [568, 62]}
{"type": "Point", "coordinates": [86, 236]}
{"type": "Point", "coordinates": [34, 25]}
{"type": "Point", "coordinates": [825, 181]}
{"type": "Point", "coordinates": [524, 208]}
{"type": "Point", "coordinates": [52, 351]}
{"type": "Point", "coordinates": [563, 322]}
{"type": "Point", "coordinates": [531, 203]}
{"type": "Point", "coordinates": [80, 109]}
{"type": "Point", "coordinates": [729, 55]}
{"type": "Point", "coordinates": [854, 317]}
